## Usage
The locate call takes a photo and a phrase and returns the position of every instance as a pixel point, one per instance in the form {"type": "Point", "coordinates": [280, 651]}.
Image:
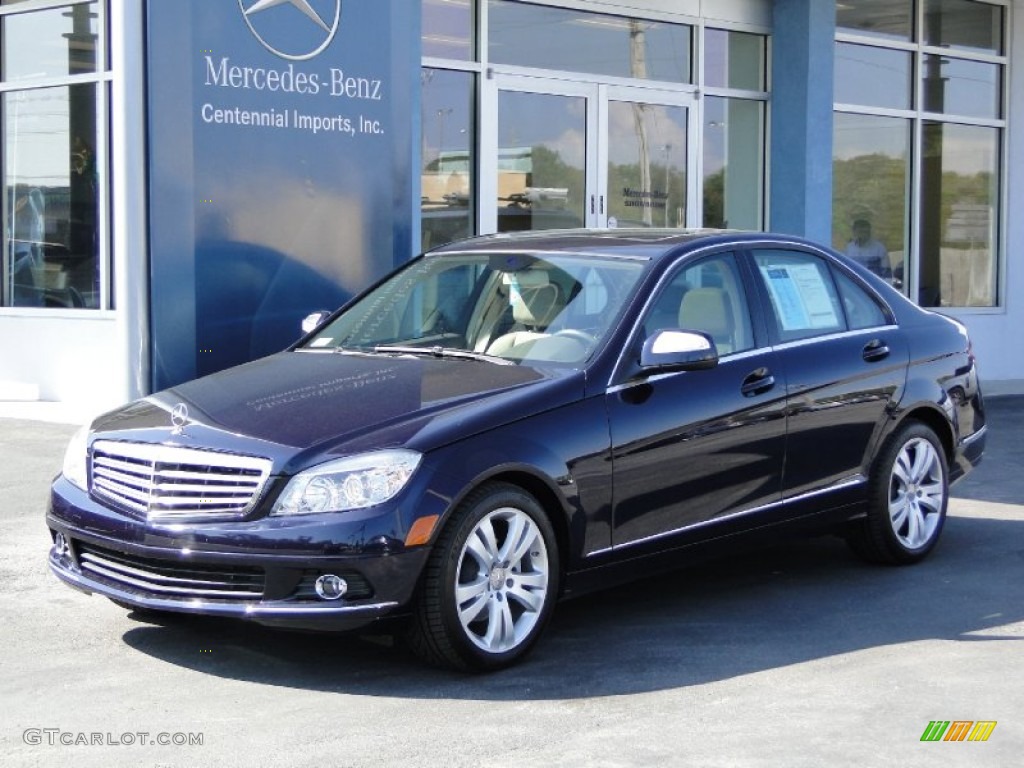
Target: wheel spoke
{"type": "Point", "coordinates": [932, 496]}
{"type": "Point", "coordinates": [483, 546]}
{"type": "Point", "coordinates": [527, 538]}
{"type": "Point", "coordinates": [529, 599]}
{"type": "Point", "coordinates": [500, 627]}
{"type": "Point", "coordinates": [923, 459]}
{"type": "Point", "coordinates": [914, 525]}
{"type": "Point", "coordinates": [472, 600]}
{"type": "Point", "coordinates": [898, 512]}
{"type": "Point", "coordinates": [901, 470]}
{"type": "Point", "coordinates": [518, 525]}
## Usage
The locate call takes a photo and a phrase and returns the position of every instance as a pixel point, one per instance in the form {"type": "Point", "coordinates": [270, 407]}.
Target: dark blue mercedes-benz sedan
{"type": "Point", "coordinates": [512, 419]}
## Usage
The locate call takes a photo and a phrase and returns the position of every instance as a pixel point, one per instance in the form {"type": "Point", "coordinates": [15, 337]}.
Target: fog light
{"type": "Point", "coordinates": [331, 587]}
{"type": "Point", "coordinates": [60, 546]}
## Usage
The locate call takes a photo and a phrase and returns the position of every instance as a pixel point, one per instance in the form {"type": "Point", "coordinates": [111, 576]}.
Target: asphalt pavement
{"type": "Point", "coordinates": [799, 655]}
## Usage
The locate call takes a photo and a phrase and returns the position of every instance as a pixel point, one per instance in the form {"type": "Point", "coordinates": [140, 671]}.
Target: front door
{"type": "Point", "coordinates": [566, 154]}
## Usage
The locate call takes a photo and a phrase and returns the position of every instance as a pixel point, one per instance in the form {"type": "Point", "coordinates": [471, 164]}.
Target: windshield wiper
{"type": "Point", "coordinates": [442, 352]}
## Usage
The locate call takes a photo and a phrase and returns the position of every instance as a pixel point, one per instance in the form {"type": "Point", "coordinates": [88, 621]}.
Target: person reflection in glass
{"type": "Point", "coordinates": [864, 248]}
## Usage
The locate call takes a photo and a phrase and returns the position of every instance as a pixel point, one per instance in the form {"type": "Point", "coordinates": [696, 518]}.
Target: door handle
{"type": "Point", "coordinates": [592, 205]}
{"type": "Point", "coordinates": [875, 350]}
{"type": "Point", "coordinates": [757, 382]}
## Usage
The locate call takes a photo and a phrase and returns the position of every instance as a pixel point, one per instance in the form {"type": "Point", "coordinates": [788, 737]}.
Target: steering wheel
{"type": "Point", "coordinates": [580, 337]}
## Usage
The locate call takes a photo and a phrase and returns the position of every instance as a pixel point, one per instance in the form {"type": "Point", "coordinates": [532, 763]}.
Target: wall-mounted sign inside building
{"type": "Point", "coordinates": [281, 148]}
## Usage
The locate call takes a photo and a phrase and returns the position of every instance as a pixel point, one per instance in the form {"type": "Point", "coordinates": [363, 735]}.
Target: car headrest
{"type": "Point", "coordinates": [706, 309]}
{"type": "Point", "coordinates": [535, 299]}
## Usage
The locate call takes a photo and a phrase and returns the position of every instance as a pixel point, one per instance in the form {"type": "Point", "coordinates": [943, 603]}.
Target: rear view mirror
{"type": "Point", "coordinates": [311, 322]}
{"type": "Point", "coordinates": [678, 351]}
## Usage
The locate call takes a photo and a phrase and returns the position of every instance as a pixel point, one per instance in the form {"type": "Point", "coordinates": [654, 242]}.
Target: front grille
{"type": "Point", "coordinates": [167, 482]}
{"type": "Point", "coordinates": [171, 578]}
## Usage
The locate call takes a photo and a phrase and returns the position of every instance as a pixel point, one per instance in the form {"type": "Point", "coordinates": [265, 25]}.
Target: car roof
{"type": "Point", "coordinates": [646, 243]}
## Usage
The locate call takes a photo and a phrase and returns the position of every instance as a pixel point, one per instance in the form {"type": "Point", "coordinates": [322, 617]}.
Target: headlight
{"type": "Point", "coordinates": [355, 482]}
{"type": "Point", "coordinates": [76, 459]}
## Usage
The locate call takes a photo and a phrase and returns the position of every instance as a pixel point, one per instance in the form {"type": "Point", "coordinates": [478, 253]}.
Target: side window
{"type": "Point", "coordinates": [802, 293]}
{"type": "Point", "coordinates": [862, 310]}
{"type": "Point", "coordinates": [707, 296]}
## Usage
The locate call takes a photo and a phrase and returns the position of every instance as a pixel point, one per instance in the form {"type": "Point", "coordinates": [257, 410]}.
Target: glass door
{"type": "Point", "coordinates": [645, 161]}
{"type": "Point", "coordinates": [567, 154]}
{"type": "Point", "coordinates": [543, 163]}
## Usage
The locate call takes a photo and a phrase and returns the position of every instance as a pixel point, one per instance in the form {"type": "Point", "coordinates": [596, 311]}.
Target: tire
{"type": "Point", "coordinates": [490, 584]}
{"type": "Point", "coordinates": [908, 493]}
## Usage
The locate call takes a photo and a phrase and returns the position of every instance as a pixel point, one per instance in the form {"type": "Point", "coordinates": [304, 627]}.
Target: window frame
{"type": "Point", "coordinates": [918, 117]}
{"type": "Point", "coordinates": [102, 78]}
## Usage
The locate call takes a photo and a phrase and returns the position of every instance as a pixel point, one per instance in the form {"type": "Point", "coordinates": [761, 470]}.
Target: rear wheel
{"type": "Point", "coordinates": [908, 495]}
{"type": "Point", "coordinates": [490, 584]}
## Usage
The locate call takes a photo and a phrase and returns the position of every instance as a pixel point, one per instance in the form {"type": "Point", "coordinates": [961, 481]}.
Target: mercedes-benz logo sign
{"type": "Point", "coordinates": [298, 39]}
{"type": "Point", "coordinates": [179, 418]}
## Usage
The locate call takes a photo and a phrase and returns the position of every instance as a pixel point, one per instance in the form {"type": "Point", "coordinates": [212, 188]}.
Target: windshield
{"type": "Point", "coordinates": [506, 307]}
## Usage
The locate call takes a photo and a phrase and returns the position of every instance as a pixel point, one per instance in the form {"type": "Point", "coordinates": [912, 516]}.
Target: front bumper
{"type": "Point", "coordinates": [259, 571]}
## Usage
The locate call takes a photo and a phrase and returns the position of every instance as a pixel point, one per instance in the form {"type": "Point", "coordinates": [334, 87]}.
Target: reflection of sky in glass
{"type": "Point", "coordinates": [555, 38]}
{"type": "Point", "coordinates": [37, 45]}
{"type": "Point", "coordinates": [970, 88]}
{"type": "Point", "coordinates": [446, 112]}
{"type": "Point", "coordinates": [36, 136]}
{"type": "Point", "coordinates": [857, 135]}
{"type": "Point", "coordinates": [448, 29]}
{"type": "Point", "coordinates": [555, 122]}
{"type": "Point", "coordinates": [876, 77]}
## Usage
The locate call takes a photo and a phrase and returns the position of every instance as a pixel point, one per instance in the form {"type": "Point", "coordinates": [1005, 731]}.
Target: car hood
{"type": "Point", "coordinates": [298, 404]}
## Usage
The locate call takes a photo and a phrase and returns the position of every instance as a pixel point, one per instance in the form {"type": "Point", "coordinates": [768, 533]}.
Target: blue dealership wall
{"type": "Point", "coordinates": [280, 168]}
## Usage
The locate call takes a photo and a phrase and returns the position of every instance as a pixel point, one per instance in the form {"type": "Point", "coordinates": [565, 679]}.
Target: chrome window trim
{"type": "Point", "coordinates": [850, 482]}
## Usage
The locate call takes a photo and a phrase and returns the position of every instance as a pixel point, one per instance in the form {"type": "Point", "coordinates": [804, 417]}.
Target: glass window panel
{"type": "Point", "coordinates": [963, 24]}
{"type": "Point", "coordinates": [541, 161]}
{"type": "Point", "coordinates": [51, 198]}
{"type": "Point", "coordinates": [53, 43]}
{"type": "Point", "coordinates": [646, 165]}
{"type": "Point", "coordinates": [802, 295]}
{"type": "Point", "coordinates": [449, 29]}
{"type": "Point", "coordinates": [887, 19]}
{"type": "Point", "coordinates": [875, 77]}
{"type": "Point", "coordinates": [447, 188]}
{"type": "Point", "coordinates": [733, 163]}
{"type": "Point", "coordinates": [961, 87]}
{"type": "Point", "coordinates": [870, 172]}
{"type": "Point", "coordinates": [576, 41]}
{"type": "Point", "coordinates": [959, 215]}
{"type": "Point", "coordinates": [862, 311]}
{"type": "Point", "coordinates": [734, 60]}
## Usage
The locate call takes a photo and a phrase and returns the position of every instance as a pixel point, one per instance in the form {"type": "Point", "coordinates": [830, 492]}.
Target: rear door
{"type": "Point", "coordinates": [843, 359]}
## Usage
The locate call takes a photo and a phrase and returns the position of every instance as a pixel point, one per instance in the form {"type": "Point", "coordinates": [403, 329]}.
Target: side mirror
{"type": "Point", "coordinates": [311, 322]}
{"type": "Point", "coordinates": [666, 351]}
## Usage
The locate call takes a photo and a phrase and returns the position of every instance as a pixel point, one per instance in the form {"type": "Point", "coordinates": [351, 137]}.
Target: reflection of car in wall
{"type": "Point", "coordinates": [514, 419]}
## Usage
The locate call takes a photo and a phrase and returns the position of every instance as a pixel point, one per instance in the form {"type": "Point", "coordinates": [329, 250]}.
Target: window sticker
{"type": "Point", "coordinates": [323, 341]}
{"type": "Point", "coordinates": [800, 296]}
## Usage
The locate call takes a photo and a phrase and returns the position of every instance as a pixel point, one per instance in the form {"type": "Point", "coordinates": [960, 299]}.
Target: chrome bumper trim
{"type": "Point", "coordinates": [241, 610]}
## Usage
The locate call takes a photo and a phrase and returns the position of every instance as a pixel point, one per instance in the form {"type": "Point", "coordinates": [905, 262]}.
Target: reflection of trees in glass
{"type": "Point", "coordinates": [549, 170]}
{"type": "Point", "coordinates": [714, 200]}
{"type": "Point", "coordinates": [872, 187]}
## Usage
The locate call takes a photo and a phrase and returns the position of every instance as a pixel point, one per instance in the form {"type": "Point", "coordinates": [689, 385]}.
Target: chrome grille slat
{"type": "Point", "coordinates": [171, 482]}
{"type": "Point", "coordinates": [189, 581]}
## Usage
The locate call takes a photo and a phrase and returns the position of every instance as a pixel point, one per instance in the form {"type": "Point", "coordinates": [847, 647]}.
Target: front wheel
{"type": "Point", "coordinates": [908, 495]}
{"type": "Point", "coordinates": [490, 584]}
